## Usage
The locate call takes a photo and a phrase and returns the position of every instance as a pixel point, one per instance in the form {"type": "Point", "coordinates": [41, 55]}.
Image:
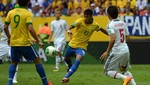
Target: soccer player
{"type": "Point", "coordinates": [78, 44]}
{"type": "Point", "coordinates": [5, 50]}
{"type": "Point", "coordinates": [117, 50]}
{"type": "Point", "coordinates": [20, 20]}
{"type": "Point", "coordinates": [58, 29]}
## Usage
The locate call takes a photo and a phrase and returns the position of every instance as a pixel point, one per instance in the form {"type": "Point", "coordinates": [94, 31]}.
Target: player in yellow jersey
{"type": "Point", "coordinates": [20, 20]}
{"type": "Point", "coordinates": [78, 44]}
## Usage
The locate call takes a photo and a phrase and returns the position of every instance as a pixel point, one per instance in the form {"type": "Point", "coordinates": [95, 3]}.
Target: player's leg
{"type": "Point", "coordinates": [79, 57]}
{"type": "Point", "coordinates": [62, 51]}
{"type": "Point", "coordinates": [57, 58]}
{"type": "Point", "coordinates": [15, 57]}
{"type": "Point", "coordinates": [70, 52]}
{"type": "Point", "coordinates": [123, 68]}
{"type": "Point", "coordinates": [15, 76]}
{"type": "Point", "coordinates": [31, 54]}
{"type": "Point", "coordinates": [3, 58]}
{"type": "Point", "coordinates": [112, 66]}
{"type": "Point", "coordinates": [3, 52]}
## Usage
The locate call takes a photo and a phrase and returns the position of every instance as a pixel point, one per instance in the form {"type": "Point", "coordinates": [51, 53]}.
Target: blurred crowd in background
{"type": "Point", "coordinates": [45, 8]}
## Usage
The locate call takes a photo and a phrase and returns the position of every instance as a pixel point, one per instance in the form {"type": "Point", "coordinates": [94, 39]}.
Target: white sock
{"type": "Point", "coordinates": [115, 74]}
{"type": "Point", "coordinates": [127, 73]}
{"type": "Point", "coordinates": [15, 76]}
{"type": "Point", "coordinates": [58, 59]}
{"type": "Point", "coordinates": [64, 61]}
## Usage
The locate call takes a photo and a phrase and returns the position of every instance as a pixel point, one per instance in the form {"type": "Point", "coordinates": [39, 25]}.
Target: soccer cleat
{"type": "Point", "coordinates": [55, 70]}
{"type": "Point", "coordinates": [127, 80]}
{"type": "Point", "coordinates": [14, 81]}
{"type": "Point", "coordinates": [65, 80]}
{"type": "Point", "coordinates": [50, 83]}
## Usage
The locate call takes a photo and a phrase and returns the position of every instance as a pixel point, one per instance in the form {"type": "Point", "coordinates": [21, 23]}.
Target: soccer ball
{"type": "Point", "coordinates": [50, 51]}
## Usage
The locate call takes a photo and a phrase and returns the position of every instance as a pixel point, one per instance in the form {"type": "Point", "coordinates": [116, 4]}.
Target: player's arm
{"type": "Point", "coordinates": [127, 33]}
{"type": "Point", "coordinates": [110, 46]}
{"type": "Point", "coordinates": [75, 24]}
{"type": "Point", "coordinates": [7, 32]}
{"type": "Point", "coordinates": [111, 42]}
{"type": "Point", "coordinates": [50, 37]}
{"type": "Point", "coordinates": [69, 31]}
{"type": "Point", "coordinates": [51, 34]}
{"type": "Point", "coordinates": [33, 34]}
{"type": "Point", "coordinates": [103, 30]}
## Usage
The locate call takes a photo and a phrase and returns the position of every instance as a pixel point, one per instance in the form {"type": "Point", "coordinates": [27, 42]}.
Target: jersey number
{"type": "Point", "coordinates": [121, 35]}
{"type": "Point", "coordinates": [17, 20]}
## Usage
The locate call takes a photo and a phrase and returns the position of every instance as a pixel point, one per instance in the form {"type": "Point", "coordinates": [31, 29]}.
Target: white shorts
{"type": "Point", "coordinates": [60, 47]}
{"type": "Point", "coordinates": [114, 61]}
{"type": "Point", "coordinates": [3, 57]}
{"type": "Point", "coordinates": [4, 51]}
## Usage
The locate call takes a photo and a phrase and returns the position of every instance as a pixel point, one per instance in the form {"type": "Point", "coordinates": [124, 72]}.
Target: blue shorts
{"type": "Point", "coordinates": [28, 52]}
{"type": "Point", "coordinates": [74, 51]}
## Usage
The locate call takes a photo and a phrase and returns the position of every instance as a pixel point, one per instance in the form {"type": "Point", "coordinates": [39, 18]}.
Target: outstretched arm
{"type": "Point", "coordinates": [104, 31]}
{"type": "Point", "coordinates": [69, 32]}
{"type": "Point", "coordinates": [110, 46]}
{"type": "Point", "coordinates": [50, 36]}
{"type": "Point", "coordinates": [33, 34]}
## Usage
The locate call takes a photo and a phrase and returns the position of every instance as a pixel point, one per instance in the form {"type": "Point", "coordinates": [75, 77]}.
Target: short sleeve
{"type": "Point", "coordinates": [52, 27]}
{"type": "Point", "coordinates": [97, 28]}
{"type": "Point", "coordinates": [110, 29]}
{"type": "Point", "coordinates": [29, 18]}
{"type": "Point", "coordinates": [7, 20]}
{"type": "Point", "coordinates": [77, 22]}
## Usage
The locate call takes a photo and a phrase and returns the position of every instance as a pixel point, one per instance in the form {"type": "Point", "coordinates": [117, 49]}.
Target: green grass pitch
{"type": "Point", "coordinates": [87, 74]}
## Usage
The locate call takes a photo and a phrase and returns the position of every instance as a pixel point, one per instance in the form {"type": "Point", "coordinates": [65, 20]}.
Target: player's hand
{"type": "Point", "coordinates": [70, 34]}
{"type": "Point", "coordinates": [104, 55]}
{"type": "Point", "coordinates": [41, 44]}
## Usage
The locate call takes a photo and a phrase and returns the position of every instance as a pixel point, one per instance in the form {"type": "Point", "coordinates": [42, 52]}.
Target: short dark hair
{"type": "Point", "coordinates": [23, 2]}
{"type": "Point", "coordinates": [88, 12]}
{"type": "Point", "coordinates": [45, 24]}
{"type": "Point", "coordinates": [112, 11]}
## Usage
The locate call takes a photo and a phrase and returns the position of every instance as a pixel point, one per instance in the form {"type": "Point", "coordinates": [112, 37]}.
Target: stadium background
{"type": "Point", "coordinates": [139, 45]}
{"type": "Point", "coordinates": [138, 23]}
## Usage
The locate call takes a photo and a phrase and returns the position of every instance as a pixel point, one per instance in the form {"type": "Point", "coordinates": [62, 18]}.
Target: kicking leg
{"type": "Point", "coordinates": [73, 68]}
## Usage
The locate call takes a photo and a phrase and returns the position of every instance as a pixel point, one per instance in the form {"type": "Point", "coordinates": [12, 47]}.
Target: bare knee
{"type": "Point", "coordinates": [79, 57]}
{"type": "Point", "coordinates": [15, 63]}
{"type": "Point", "coordinates": [123, 68]}
{"type": "Point", "coordinates": [37, 60]}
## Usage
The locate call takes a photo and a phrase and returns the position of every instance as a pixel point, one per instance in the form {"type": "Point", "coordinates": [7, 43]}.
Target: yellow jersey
{"type": "Point", "coordinates": [18, 19]}
{"type": "Point", "coordinates": [83, 33]}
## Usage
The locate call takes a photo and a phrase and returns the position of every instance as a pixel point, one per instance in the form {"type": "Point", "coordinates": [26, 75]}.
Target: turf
{"type": "Point", "coordinates": [87, 74]}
